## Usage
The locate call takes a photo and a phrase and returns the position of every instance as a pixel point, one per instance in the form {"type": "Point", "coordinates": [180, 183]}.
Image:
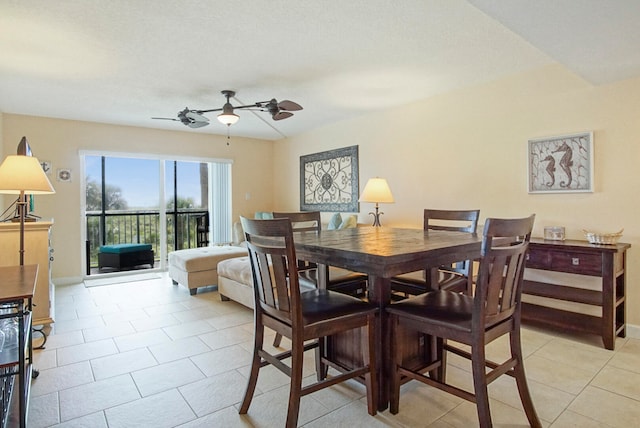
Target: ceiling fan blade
{"type": "Point", "coordinates": [282, 115]}
{"type": "Point", "coordinates": [289, 105]}
{"type": "Point", "coordinates": [166, 118]}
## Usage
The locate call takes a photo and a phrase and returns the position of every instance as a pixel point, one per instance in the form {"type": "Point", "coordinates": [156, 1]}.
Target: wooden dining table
{"type": "Point", "coordinates": [381, 253]}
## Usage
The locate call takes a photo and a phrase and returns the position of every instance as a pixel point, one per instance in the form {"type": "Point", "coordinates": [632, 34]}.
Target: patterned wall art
{"type": "Point", "coordinates": [329, 181]}
{"type": "Point", "coordinates": [561, 164]}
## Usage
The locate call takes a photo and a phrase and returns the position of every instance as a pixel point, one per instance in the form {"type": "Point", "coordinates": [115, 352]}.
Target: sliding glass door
{"type": "Point", "coordinates": [168, 203]}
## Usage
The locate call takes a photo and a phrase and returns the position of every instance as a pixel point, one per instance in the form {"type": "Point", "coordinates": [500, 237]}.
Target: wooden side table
{"type": "Point", "coordinates": [579, 258]}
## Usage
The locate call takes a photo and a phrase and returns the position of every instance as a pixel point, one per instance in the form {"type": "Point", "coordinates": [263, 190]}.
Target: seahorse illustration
{"type": "Point", "coordinates": [551, 170]}
{"type": "Point", "coordinates": [566, 163]}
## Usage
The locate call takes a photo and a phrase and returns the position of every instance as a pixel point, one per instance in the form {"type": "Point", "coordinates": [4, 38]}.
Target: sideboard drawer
{"type": "Point", "coordinates": [580, 263]}
{"type": "Point", "coordinates": [538, 259]}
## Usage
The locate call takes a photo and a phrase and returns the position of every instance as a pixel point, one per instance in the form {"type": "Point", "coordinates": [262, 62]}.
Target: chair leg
{"type": "Point", "coordinates": [369, 357]}
{"type": "Point", "coordinates": [297, 359]}
{"type": "Point", "coordinates": [322, 370]}
{"type": "Point", "coordinates": [396, 361]}
{"type": "Point", "coordinates": [277, 340]}
{"type": "Point", "coordinates": [521, 380]}
{"type": "Point", "coordinates": [440, 355]}
{"type": "Point", "coordinates": [258, 341]}
{"type": "Point", "coordinates": [478, 365]}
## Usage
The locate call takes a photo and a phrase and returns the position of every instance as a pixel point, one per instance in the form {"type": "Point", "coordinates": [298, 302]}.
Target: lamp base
{"type": "Point", "coordinates": [376, 217]}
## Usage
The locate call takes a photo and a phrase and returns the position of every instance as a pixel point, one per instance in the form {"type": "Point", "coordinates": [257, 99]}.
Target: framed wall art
{"type": "Point", "coordinates": [561, 164]}
{"type": "Point", "coordinates": [329, 181]}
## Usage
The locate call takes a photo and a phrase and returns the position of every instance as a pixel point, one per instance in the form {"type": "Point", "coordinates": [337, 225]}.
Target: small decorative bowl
{"type": "Point", "coordinates": [603, 238]}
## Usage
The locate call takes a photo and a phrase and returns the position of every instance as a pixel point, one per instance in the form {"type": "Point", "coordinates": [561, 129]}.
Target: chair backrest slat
{"type": "Point", "coordinates": [281, 280]}
{"type": "Point", "coordinates": [499, 285]}
{"type": "Point", "coordinates": [304, 221]}
{"type": "Point", "coordinates": [453, 221]}
{"type": "Point", "coordinates": [273, 265]}
{"type": "Point", "coordinates": [265, 289]}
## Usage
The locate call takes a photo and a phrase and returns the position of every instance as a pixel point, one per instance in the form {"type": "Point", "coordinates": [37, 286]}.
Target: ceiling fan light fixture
{"type": "Point", "coordinates": [228, 117]}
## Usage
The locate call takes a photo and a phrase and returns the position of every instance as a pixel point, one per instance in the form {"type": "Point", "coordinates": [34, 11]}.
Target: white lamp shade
{"type": "Point", "coordinates": [19, 173]}
{"type": "Point", "coordinates": [377, 190]}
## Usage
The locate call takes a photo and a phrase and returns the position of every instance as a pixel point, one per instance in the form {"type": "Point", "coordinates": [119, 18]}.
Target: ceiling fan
{"type": "Point", "coordinates": [195, 119]}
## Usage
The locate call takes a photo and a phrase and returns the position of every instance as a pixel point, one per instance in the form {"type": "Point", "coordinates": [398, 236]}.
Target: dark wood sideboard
{"type": "Point", "coordinates": [580, 258]}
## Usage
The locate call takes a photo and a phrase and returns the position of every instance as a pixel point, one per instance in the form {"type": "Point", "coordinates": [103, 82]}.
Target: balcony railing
{"type": "Point", "coordinates": [185, 229]}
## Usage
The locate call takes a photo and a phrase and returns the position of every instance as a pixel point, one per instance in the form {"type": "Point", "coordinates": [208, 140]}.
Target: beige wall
{"type": "Point", "coordinates": [469, 150]}
{"type": "Point", "coordinates": [59, 141]}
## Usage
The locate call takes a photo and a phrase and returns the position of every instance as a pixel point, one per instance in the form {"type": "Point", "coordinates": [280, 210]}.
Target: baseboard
{"type": "Point", "coordinates": [70, 280]}
{"type": "Point", "coordinates": [633, 331]}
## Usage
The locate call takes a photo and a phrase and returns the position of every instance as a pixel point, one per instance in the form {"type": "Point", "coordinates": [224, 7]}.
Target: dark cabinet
{"type": "Point", "coordinates": [608, 262]}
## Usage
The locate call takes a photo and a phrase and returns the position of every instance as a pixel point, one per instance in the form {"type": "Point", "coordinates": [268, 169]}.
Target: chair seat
{"type": "Point", "coordinates": [447, 308]}
{"type": "Point", "coordinates": [320, 305]}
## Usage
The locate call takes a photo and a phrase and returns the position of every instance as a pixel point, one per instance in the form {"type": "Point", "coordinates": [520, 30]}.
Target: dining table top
{"type": "Point", "coordinates": [386, 251]}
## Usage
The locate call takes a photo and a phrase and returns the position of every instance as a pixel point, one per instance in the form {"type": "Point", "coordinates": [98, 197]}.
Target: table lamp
{"type": "Point", "coordinates": [20, 174]}
{"type": "Point", "coordinates": [377, 190]}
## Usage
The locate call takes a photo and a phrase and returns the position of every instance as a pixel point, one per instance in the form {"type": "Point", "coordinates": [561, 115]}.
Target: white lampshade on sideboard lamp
{"type": "Point", "coordinates": [377, 190]}
{"type": "Point", "coordinates": [23, 175]}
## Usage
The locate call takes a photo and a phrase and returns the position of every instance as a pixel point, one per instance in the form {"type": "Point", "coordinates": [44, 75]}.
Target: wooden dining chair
{"type": "Point", "coordinates": [456, 276]}
{"type": "Point", "coordinates": [305, 318]}
{"type": "Point", "coordinates": [476, 320]}
{"type": "Point", "coordinates": [342, 280]}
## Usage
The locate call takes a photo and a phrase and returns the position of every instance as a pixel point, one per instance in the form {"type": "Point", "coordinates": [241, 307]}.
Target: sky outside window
{"type": "Point", "coordinates": [138, 179]}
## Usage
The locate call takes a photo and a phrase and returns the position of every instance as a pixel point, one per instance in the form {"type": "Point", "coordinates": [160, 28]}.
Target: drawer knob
{"type": "Point", "coordinates": [575, 261]}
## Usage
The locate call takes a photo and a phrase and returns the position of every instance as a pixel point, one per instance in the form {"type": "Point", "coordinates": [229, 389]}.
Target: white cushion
{"type": "Point", "coordinates": [203, 258]}
{"type": "Point", "coordinates": [237, 269]}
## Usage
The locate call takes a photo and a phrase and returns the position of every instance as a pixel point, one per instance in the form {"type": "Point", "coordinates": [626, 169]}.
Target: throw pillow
{"type": "Point", "coordinates": [238, 233]}
{"type": "Point", "coordinates": [349, 222]}
{"type": "Point", "coordinates": [334, 222]}
{"type": "Point", "coordinates": [263, 215]}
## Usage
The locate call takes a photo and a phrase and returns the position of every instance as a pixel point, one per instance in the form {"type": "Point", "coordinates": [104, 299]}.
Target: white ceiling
{"type": "Point", "coordinates": [124, 61]}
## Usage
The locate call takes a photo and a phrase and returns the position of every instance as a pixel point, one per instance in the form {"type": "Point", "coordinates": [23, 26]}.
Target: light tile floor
{"type": "Point", "coordinates": [147, 354]}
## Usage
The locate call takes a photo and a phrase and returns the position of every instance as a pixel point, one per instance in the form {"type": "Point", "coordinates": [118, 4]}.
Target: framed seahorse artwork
{"type": "Point", "coordinates": [561, 164]}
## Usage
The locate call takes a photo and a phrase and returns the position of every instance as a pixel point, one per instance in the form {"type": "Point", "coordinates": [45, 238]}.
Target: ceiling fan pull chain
{"type": "Point", "coordinates": [228, 138]}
